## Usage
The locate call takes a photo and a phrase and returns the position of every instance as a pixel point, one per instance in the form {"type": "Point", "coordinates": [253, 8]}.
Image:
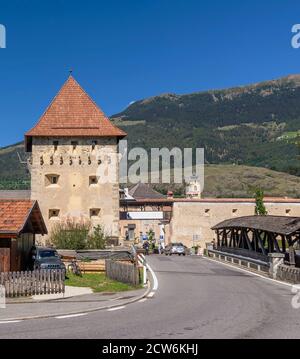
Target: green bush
{"type": "Point", "coordinates": [70, 234]}
{"type": "Point", "coordinates": [97, 240]}
{"type": "Point", "coordinates": [76, 235]}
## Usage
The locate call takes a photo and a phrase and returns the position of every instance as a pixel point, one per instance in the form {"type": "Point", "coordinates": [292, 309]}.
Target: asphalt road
{"type": "Point", "coordinates": [196, 298]}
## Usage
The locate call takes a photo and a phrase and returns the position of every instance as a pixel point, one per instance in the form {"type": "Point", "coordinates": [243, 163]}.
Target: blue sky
{"type": "Point", "coordinates": [121, 51]}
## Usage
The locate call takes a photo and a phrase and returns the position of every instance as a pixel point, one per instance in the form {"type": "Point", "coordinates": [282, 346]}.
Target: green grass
{"type": "Point", "coordinates": [288, 136]}
{"type": "Point", "coordinates": [98, 282]}
{"type": "Point", "coordinates": [226, 181]}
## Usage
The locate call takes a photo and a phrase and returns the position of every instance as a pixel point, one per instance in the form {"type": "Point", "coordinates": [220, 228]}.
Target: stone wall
{"type": "Point", "coordinates": [288, 274]}
{"type": "Point", "coordinates": [195, 218]}
{"type": "Point", "coordinates": [75, 194]}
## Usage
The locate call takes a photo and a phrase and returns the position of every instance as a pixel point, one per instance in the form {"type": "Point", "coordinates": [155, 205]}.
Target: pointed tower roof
{"type": "Point", "coordinates": [73, 113]}
{"type": "Point", "coordinates": [144, 191]}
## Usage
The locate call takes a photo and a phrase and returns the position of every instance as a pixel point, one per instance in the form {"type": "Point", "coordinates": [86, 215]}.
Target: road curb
{"type": "Point", "coordinates": [136, 299]}
{"type": "Point", "coordinates": [29, 300]}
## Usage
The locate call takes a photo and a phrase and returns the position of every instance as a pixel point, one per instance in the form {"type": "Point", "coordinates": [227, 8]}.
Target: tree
{"type": "Point", "coordinates": [151, 238]}
{"type": "Point", "coordinates": [98, 239]}
{"type": "Point", "coordinates": [260, 209]}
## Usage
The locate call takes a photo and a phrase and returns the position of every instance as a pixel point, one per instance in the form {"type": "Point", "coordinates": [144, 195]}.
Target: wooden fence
{"type": "Point", "coordinates": [122, 271]}
{"type": "Point", "coordinates": [93, 266]}
{"type": "Point", "coordinates": [4, 259]}
{"type": "Point", "coordinates": [37, 282]}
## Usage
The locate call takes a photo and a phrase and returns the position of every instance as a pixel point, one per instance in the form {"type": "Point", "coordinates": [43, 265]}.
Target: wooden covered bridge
{"type": "Point", "coordinates": [257, 236]}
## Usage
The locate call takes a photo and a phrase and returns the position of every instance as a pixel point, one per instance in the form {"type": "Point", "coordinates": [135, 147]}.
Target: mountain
{"type": "Point", "coordinates": [13, 173]}
{"type": "Point", "coordinates": [253, 125]}
{"type": "Point", "coordinates": [229, 181]}
{"type": "Point", "coordinates": [220, 180]}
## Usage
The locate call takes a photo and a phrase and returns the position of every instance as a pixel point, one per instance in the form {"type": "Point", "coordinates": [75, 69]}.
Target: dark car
{"type": "Point", "coordinates": [46, 258]}
{"type": "Point", "coordinates": [175, 248]}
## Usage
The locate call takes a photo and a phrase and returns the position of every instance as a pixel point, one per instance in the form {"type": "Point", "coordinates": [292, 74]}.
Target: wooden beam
{"type": "Point", "coordinates": [254, 241]}
{"type": "Point", "coordinates": [218, 238]}
{"type": "Point", "coordinates": [224, 238]}
{"type": "Point", "coordinates": [260, 242]}
{"type": "Point", "coordinates": [283, 243]}
{"type": "Point", "coordinates": [274, 236]}
{"type": "Point", "coordinates": [240, 239]}
{"type": "Point", "coordinates": [248, 242]}
{"type": "Point", "coordinates": [231, 238]}
{"type": "Point", "coordinates": [8, 235]}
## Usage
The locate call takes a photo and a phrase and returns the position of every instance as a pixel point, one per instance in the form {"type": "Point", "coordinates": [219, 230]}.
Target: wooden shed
{"type": "Point", "coordinates": [20, 221]}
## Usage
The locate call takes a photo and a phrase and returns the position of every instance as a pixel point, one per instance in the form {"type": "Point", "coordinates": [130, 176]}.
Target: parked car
{"type": "Point", "coordinates": [46, 258]}
{"type": "Point", "coordinates": [175, 248]}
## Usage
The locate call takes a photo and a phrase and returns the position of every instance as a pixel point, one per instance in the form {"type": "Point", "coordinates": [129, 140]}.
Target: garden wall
{"type": "Point", "coordinates": [288, 274]}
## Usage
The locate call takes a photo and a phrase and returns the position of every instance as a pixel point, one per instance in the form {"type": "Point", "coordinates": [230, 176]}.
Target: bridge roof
{"type": "Point", "coordinates": [275, 224]}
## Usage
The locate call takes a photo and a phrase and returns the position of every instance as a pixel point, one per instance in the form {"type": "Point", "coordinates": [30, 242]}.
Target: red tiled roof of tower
{"type": "Point", "coordinates": [73, 113]}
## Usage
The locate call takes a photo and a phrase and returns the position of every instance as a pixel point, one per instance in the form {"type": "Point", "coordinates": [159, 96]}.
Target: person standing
{"type": "Point", "coordinates": [146, 247]}
{"type": "Point", "coordinates": [160, 247]}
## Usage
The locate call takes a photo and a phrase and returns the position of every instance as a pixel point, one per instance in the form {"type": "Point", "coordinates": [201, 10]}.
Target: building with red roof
{"type": "Point", "coordinates": [74, 161]}
{"type": "Point", "coordinates": [20, 222]}
{"type": "Point", "coordinates": [72, 113]}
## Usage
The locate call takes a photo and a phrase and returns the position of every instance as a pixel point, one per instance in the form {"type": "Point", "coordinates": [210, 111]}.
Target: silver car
{"type": "Point", "coordinates": [175, 248]}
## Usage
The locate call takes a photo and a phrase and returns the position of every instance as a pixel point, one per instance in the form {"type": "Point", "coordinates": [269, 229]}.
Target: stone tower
{"type": "Point", "coordinates": [193, 188]}
{"type": "Point", "coordinates": [71, 141]}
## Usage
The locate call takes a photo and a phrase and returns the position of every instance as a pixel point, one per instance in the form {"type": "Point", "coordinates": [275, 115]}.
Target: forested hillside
{"type": "Point", "coordinates": [253, 125]}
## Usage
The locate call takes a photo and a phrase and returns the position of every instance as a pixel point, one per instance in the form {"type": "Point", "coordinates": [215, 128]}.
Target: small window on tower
{"type": "Point", "coordinates": [93, 180]}
{"type": "Point", "coordinates": [287, 212]}
{"type": "Point", "coordinates": [51, 180]}
{"type": "Point", "coordinates": [74, 144]}
{"type": "Point", "coordinates": [53, 213]}
{"type": "Point", "coordinates": [234, 212]}
{"type": "Point", "coordinates": [94, 144]}
{"type": "Point", "coordinates": [94, 212]}
{"type": "Point", "coordinates": [55, 145]}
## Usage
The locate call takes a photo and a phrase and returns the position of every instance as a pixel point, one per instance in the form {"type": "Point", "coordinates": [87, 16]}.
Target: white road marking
{"type": "Point", "coordinates": [142, 300]}
{"type": "Point", "coordinates": [253, 273]}
{"type": "Point", "coordinates": [10, 321]}
{"type": "Point", "coordinates": [150, 295]}
{"type": "Point", "coordinates": [116, 308]}
{"type": "Point", "coordinates": [71, 316]}
{"type": "Point", "coordinates": [155, 284]}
